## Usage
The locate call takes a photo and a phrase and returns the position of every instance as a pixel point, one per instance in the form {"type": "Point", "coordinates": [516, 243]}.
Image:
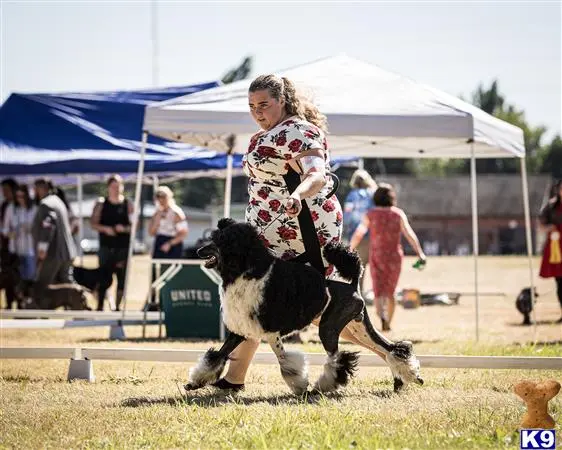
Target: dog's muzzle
{"type": "Point", "coordinates": [210, 255]}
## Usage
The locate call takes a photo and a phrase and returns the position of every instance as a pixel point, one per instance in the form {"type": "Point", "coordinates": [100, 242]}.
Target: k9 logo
{"type": "Point", "coordinates": [537, 439]}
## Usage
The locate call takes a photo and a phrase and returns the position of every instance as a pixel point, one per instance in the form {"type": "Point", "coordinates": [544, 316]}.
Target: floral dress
{"type": "Point", "coordinates": [265, 163]}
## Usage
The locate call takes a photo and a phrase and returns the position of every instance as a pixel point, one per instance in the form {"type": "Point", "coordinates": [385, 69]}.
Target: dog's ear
{"type": "Point", "coordinates": [225, 222]}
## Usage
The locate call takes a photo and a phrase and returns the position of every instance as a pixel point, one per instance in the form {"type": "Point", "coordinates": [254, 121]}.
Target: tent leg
{"type": "Point", "coordinates": [529, 239]}
{"type": "Point", "coordinates": [80, 196]}
{"type": "Point", "coordinates": [135, 220]}
{"type": "Point", "coordinates": [228, 185]}
{"type": "Point", "coordinates": [475, 244]}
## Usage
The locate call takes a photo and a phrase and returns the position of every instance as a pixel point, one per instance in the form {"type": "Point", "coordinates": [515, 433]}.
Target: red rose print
{"type": "Point", "coordinates": [339, 216]}
{"type": "Point", "coordinates": [328, 206]}
{"type": "Point", "coordinates": [264, 215]}
{"type": "Point", "coordinates": [335, 240]}
{"type": "Point", "coordinates": [263, 193]}
{"type": "Point", "coordinates": [314, 215]}
{"type": "Point", "coordinates": [295, 145]}
{"type": "Point", "coordinates": [252, 146]}
{"type": "Point", "coordinates": [322, 239]}
{"type": "Point", "coordinates": [281, 138]}
{"type": "Point", "coordinates": [254, 202]}
{"type": "Point", "coordinates": [266, 152]}
{"type": "Point", "coordinates": [329, 270]}
{"type": "Point", "coordinates": [287, 234]}
{"type": "Point", "coordinates": [274, 205]}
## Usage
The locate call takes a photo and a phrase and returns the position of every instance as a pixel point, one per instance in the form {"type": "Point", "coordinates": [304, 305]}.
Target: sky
{"type": "Point", "coordinates": [49, 46]}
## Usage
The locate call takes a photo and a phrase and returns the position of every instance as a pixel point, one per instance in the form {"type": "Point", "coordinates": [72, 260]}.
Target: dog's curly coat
{"type": "Point", "coordinates": [265, 297]}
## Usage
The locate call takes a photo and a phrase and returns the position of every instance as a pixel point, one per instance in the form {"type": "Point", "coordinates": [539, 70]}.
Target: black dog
{"type": "Point", "coordinates": [524, 304]}
{"type": "Point", "coordinates": [68, 296]}
{"type": "Point", "coordinates": [89, 278]}
{"type": "Point", "coordinates": [265, 297]}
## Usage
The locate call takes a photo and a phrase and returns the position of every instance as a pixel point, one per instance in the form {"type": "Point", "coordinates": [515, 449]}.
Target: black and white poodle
{"type": "Point", "coordinates": [264, 297]}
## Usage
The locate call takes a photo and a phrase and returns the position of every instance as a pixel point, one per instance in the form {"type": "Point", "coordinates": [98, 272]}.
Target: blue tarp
{"type": "Point", "coordinates": [84, 133]}
{"type": "Point", "coordinates": [95, 133]}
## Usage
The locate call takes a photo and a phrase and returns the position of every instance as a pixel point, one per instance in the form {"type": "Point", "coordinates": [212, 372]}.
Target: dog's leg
{"type": "Point", "coordinates": [211, 365]}
{"type": "Point", "coordinates": [340, 365]}
{"type": "Point", "coordinates": [399, 355]}
{"type": "Point", "coordinates": [293, 365]}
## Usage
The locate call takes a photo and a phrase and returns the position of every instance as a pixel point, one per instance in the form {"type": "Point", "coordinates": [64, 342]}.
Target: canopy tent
{"type": "Point", "coordinates": [371, 113]}
{"type": "Point", "coordinates": [92, 133]}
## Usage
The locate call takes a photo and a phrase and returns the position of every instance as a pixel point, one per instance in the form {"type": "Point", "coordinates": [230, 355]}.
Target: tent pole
{"type": "Point", "coordinates": [135, 220]}
{"type": "Point", "coordinates": [474, 198]}
{"type": "Point", "coordinates": [80, 217]}
{"type": "Point", "coordinates": [228, 184]}
{"type": "Point", "coordinates": [361, 164]}
{"type": "Point", "coordinates": [529, 238]}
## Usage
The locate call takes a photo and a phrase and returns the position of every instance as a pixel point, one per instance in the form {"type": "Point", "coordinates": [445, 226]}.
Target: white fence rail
{"type": "Point", "coordinates": [365, 360]}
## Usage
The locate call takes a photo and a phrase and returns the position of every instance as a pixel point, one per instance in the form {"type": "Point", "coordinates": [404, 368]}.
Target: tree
{"type": "Point", "coordinates": [552, 161]}
{"type": "Point", "coordinates": [240, 72]}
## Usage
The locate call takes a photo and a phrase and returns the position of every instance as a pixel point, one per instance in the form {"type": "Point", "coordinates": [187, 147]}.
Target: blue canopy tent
{"type": "Point", "coordinates": [92, 133]}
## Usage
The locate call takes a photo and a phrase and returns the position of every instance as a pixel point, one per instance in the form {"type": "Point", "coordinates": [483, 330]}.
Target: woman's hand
{"type": "Point", "coordinates": [166, 247]}
{"type": "Point", "coordinates": [120, 228]}
{"type": "Point", "coordinates": [109, 231]}
{"type": "Point", "coordinates": [293, 207]}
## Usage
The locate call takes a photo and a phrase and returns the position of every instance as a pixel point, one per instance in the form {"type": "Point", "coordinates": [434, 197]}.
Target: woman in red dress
{"type": "Point", "coordinates": [551, 223]}
{"type": "Point", "coordinates": [386, 223]}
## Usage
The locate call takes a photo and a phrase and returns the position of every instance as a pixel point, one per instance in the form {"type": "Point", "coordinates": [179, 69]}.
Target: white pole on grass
{"type": "Point", "coordinates": [80, 217]}
{"type": "Point", "coordinates": [529, 240]}
{"type": "Point", "coordinates": [474, 200]}
{"type": "Point", "coordinates": [135, 221]}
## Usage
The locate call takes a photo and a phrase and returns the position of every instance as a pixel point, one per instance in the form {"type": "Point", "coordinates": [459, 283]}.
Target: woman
{"type": "Point", "coordinates": [19, 231]}
{"type": "Point", "coordinates": [386, 223]}
{"type": "Point", "coordinates": [287, 164]}
{"type": "Point", "coordinates": [111, 219]}
{"type": "Point", "coordinates": [551, 223]}
{"type": "Point", "coordinates": [168, 224]}
{"type": "Point", "coordinates": [356, 204]}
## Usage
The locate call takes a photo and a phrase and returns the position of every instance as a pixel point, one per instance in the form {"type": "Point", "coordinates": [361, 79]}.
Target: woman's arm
{"type": "Point", "coordinates": [359, 232]}
{"type": "Point", "coordinates": [410, 235]}
{"type": "Point", "coordinates": [313, 169]}
{"type": "Point", "coordinates": [155, 223]}
{"type": "Point", "coordinates": [95, 221]}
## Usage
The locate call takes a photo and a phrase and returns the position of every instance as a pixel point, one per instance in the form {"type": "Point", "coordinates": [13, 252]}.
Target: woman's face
{"type": "Point", "coordinates": [114, 188]}
{"type": "Point", "coordinates": [20, 198]}
{"type": "Point", "coordinates": [162, 200]}
{"type": "Point", "coordinates": [265, 110]}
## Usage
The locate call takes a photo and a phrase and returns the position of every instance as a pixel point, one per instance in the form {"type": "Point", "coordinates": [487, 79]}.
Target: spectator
{"type": "Point", "coordinates": [168, 224]}
{"type": "Point", "coordinates": [52, 241]}
{"type": "Point", "coordinates": [19, 226]}
{"type": "Point", "coordinates": [111, 219]}
{"type": "Point", "coordinates": [357, 203]}
{"type": "Point", "coordinates": [7, 257]}
{"type": "Point", "coordinates": [386, 223]}
{"type": "Point", "coordinates": [551, 223]}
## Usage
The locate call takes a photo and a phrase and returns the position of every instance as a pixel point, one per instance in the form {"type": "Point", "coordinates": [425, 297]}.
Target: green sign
{"type": "Point", "coordinates": [191, 304]}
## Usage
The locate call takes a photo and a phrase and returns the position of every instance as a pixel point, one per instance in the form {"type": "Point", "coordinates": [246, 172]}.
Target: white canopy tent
{"type": "Point", "coordinates": [371, 113]}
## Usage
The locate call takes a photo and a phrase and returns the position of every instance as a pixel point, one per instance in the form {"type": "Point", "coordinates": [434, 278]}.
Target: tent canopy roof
{"type": "Point", "coordinates": [91, 133]}
{"type": "Point", "coordinates": [371, 113]}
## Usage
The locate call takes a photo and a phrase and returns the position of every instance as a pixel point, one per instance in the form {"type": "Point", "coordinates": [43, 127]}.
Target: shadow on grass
{"type": "Point", "coordinates": [219, 398]}
{"type": "Point", "coordinates": [539, 322]}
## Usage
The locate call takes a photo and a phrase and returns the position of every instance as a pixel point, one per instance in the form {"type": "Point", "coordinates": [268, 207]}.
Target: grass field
{"type": "Point", "coordinates": [141, 405]}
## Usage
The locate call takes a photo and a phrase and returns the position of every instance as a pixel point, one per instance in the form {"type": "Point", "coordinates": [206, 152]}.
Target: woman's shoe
{"type": "Point", "coordinates": [227, 385]}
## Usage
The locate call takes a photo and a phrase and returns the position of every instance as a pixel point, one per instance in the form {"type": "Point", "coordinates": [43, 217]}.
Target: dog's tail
{"type": "Point", "coordinates": [346, 261]}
